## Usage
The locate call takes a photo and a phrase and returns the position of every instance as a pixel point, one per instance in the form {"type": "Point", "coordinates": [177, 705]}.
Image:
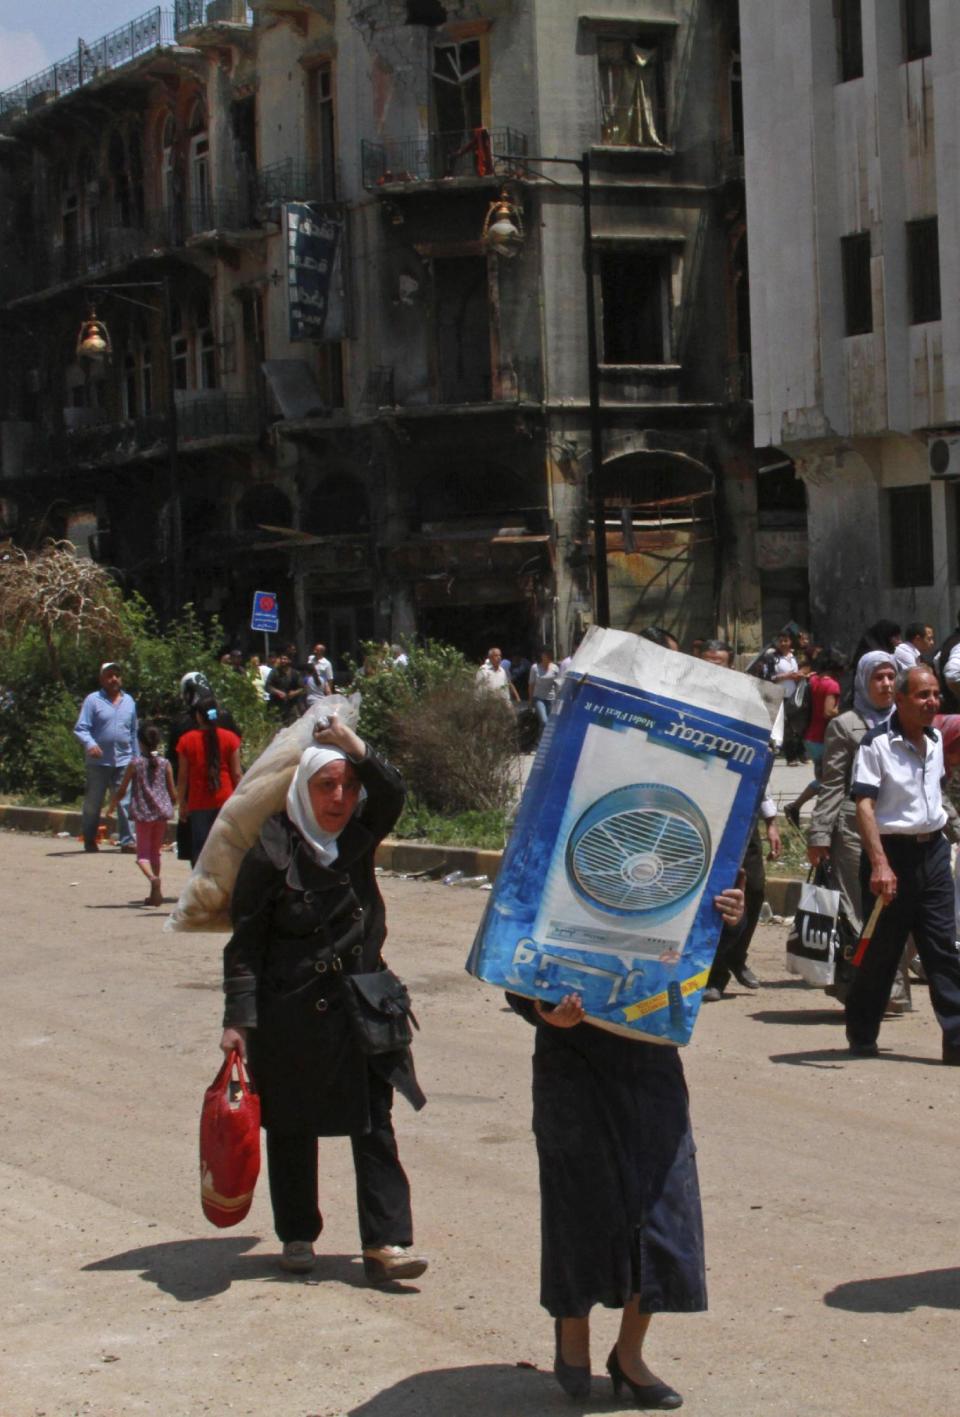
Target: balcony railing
{"type": "Point", "coordinates": [115, 246]}
{"type": "Point", "coordinates": [149, 31]}
{"type": "Point", "coordinates": [152, 30]}
{"type": "Point", "coordinates": [290, 181]}
{"type": "Point", "coordinates": [199, 416]}
{"type": "Point", "coordinates": [435, 156]}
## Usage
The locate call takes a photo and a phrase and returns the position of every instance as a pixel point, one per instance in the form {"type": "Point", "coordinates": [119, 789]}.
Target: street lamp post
{"type": "Point", "coordinates": [94, 343]}
{"type": "Point", "coordinates": [505, 239]}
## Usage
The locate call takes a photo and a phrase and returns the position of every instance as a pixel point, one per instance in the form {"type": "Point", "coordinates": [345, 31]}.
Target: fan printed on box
{"type": "Point", "coordinates": [636, 814]}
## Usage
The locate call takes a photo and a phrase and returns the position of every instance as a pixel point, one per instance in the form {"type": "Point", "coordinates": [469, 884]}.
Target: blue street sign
{"type": "Point", "coordinates": [266, 612]}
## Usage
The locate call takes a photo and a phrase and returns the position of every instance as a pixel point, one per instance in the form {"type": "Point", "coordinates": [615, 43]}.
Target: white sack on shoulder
{"type": "Point", "coordinates": [262, 791]}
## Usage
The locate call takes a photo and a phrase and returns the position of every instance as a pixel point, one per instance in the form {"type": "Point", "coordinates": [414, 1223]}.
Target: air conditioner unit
{"type": "Point", "coordinates": [943, 456]}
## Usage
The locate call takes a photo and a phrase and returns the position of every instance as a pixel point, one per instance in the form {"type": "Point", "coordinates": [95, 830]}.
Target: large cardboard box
{"type": "Point", "coordinates": [636, 813]}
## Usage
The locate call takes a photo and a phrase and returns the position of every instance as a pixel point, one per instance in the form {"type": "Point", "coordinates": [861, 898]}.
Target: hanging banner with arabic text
{"type": "Point", "coordinates": [315, 271]}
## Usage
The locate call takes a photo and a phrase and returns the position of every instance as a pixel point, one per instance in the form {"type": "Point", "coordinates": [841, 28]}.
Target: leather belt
{"type": "Point", "coordinates": [920, 837]}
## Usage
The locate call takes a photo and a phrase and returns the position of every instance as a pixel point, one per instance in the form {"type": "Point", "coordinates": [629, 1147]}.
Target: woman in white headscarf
{"type": "Point", "coordinates": [307, 914]}
{"type": "Point", "coordinates": [832, 835]}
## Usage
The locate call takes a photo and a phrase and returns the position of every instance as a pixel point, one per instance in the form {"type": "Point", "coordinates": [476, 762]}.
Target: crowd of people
{"type": "Point", "coordinates": [621, 1224]}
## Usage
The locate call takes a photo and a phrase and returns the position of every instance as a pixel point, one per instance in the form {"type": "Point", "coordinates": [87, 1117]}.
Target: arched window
{"type": "Point", "coordinates": [168, 163]}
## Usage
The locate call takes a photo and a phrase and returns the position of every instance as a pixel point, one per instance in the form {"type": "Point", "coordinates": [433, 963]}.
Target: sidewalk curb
{"type": "Point", "coordinates": [410, 858]}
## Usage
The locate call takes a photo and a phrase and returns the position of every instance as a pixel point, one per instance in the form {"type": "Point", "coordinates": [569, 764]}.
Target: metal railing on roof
{"type": "Point", "coordinates": [151, 30]}
{"type": "Point", "coordinates": [434, 156]}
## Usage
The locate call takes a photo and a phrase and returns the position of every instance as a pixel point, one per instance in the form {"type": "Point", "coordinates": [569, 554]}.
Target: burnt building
{"type": "Point", "coordinates": [283, 216]}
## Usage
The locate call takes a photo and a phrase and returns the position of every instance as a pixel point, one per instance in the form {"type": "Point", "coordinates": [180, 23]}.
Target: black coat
{"type": "Point", "coordinates": [298, 927]}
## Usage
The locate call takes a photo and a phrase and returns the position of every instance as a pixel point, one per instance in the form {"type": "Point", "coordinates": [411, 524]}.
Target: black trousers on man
{"type": "Point", "coordinates": [731, 956]}
{"type": "Point", "coordinates": [924, 903]}
{"type": "Point", "coordinates": [383, 1191]}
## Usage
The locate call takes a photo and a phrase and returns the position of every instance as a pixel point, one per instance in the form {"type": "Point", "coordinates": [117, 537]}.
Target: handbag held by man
{"type": "Point", "coordinates": [229, 1144]}
{"type": "Point", "coordinates": [814, 941]}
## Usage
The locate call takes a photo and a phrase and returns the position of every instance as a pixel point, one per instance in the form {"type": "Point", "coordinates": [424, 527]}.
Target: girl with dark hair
{"type": "Point", "coordinates": [209, 769]}
{"type": "Point", "coordinates": [150, 778]}
{"type": "Point", "coordinates": [824, 688]}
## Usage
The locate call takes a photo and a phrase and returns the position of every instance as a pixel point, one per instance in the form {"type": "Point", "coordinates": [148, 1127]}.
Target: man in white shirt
{"type": "Point", "coordinates": [918, 643]}
{"type": "Point", "coordinates": [492, 678]}
{"type": "Point", "coordinates": [321, 666]}
{"type": "Point", "coordinates": [897, 779]}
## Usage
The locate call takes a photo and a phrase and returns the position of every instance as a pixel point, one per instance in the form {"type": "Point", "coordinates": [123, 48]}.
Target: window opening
{"type": "Point", "coordinates": [458, 87]}
{"type": "Point", "coordinates": [635, 325]}
{"type": "Point", "coordinates": [910, 536]}
{"type": "Point", "coordinates": [632, 93]}
{"type": "Point", "coordinates": [206, 348]}
{"type": "Point", "coordinates": [179, 350]}
{"type": "Point", "coordinates": [322, 134]}
{"type": "Point", "coordinates": [923, 265]}
{"type": "Point", "coordinates": [918, 41]}
{"type": "Point", "coordinates": [462, 325]}
{"type": "Point", "coordinates": [857, 293]}
{"type": "Point", "coordinates": [129, 385]}
{"type": "Point", "coordinates": [850, 39]}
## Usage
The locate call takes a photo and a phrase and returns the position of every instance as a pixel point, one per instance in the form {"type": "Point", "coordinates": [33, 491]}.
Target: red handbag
{"type": "Point", "coordinates": [229, 1144]}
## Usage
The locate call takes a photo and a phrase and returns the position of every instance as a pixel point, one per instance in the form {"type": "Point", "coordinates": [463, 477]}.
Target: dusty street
{"type": "Point", "coordinates": [830, 1193]}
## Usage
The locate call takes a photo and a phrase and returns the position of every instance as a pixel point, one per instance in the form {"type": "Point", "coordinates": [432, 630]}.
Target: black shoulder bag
{"type": "Point", "coordinates": [379, 1010]}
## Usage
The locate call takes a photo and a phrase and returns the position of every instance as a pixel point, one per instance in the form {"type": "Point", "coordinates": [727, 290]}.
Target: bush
{"type": "Point", "coordinates": [458, 749]}
{"type": "Point", "coordinates": [455, 748]}
{"type": "Point", "coordinates": [38, 752]}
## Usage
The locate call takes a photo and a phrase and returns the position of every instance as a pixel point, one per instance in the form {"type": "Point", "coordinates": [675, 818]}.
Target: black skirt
{"type": "Point", "coordinates": [618, 1178]}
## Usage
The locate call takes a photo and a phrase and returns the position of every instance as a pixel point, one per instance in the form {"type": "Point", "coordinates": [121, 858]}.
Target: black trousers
{"type": "Point", "coordinates": [731, 956]}
{"type": "Point", "coordinates": [924, 903]}
{"type": "Point", "coordinates": [383, 1191]}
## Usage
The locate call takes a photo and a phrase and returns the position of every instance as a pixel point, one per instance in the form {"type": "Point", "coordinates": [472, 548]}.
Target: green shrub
{"type": "Point", "coordinates": [38, 752]}
{"type": "Point", "coordinates": [456, 748]}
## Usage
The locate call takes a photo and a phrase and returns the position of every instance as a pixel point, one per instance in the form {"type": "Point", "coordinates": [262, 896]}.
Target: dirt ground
{"type": "Point", "coordinates": [829, 1186]}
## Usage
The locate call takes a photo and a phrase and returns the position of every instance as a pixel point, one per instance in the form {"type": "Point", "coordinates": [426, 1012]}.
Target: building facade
{"type": "Point", "coordinates": [851, 122]}
{"type": "Point", "coordinates": [377, 416]}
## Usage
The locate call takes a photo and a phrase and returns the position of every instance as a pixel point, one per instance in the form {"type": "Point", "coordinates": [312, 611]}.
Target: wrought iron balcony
{"type": "Point", "coordinates": [434, 157]}
{"type": "Point", "coordinates": [112, 247]}
{"type": "Point", "coordinates": [290, 181]}
{"type": "Point", "coordinates": [101, 444]}
{"type": "Point", "coordinates": [154, 29]}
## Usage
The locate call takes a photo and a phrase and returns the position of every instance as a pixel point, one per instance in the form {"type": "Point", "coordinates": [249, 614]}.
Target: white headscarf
{"type": "Point", "coordinates": [322, 844]}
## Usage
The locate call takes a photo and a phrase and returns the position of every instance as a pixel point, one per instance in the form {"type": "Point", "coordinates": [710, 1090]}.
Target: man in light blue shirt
{"type": "Point", "coordinates": [107, 729]}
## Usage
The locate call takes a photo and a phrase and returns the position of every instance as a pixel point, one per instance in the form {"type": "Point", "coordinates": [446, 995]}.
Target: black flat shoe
{"type": "Point", "coordinates": [574, 1381]}
{"type": "Point", "coordinates": [653, 1397]}
{"type": "Point", "coordinates": [747, 978]}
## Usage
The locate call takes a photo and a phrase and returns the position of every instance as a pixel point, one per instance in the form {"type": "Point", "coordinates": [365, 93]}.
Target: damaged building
{"type": "Point", "coordinates": [343, 261]}
{"type": "Point", "coordinates": [851, 125]}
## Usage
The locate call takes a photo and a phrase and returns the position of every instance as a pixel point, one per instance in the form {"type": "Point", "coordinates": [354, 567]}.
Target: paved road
{"type": "Point", "coordinates": [830, 1191]}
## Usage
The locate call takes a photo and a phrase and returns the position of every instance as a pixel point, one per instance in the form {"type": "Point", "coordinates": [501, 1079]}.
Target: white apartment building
{"type": "Point", "coordinates": [852, 124]}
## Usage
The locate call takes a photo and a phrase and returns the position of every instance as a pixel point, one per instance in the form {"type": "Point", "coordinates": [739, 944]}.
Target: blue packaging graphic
{"type": "Point", "coordinates": [636, 814]}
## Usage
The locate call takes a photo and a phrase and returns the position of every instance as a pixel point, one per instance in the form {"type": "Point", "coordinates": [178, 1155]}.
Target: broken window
{"type": "Point", "coordinates": [923, 265]}
{"type": "Point", "coordinates": [916, 29]}
{"type": "Point", "coordinates": [632, 93]}
{"type": "Point", "coordinates": [910, 536]}
{"type": "Point", "coordinates": [462, 329]}
{"type": "Point", "coordinates": [635, 322]}
{"type": "Point", "coordinates": [458, 87]}
{"type": "Point", "coordinates": [849, 39]}
{"type": "Point", "coordinates": [857, 293]}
